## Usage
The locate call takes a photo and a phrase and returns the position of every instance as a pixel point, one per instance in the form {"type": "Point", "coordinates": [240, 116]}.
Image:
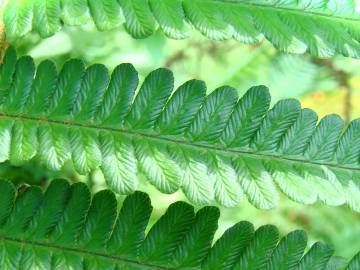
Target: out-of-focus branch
{"type": "Point", "coordinates": [3, 42]}
{"type": "Point", "coordinates": [343, 78]}
{"type": "Point", "coordinates": [178, 56]}
{"type": "Point", "coordinates": [348, 105]}
{"type": "Point", "coordinates": [209, 48]}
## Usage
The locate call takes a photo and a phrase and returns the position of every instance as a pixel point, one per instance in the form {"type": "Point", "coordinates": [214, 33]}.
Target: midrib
{"type": "Point", "coordinates": [79, 251]}
{"type": "Point", "coordinates": [178, 142]}
{"type": "Point", "coordinates": [301, 12]}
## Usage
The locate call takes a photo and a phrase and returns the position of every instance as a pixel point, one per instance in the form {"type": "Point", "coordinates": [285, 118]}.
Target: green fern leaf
{"type": "Point", "coordinates": [138, 18]}
{"type": "Point", "coordinates": [336, 263]}
{"type": "Point", "coordinates": [322, 28]}
{"type": "Point", "coordinates": [317, 257]}
{"type": "Point", "coordinates": [291, 247]}
{"type": "Point", "coordinates": [214, 148]}
{"type": "Point", "coordinates": [263, 244]}
{"type": "Point", "coordinates": [226, 250]}
{"type": "Point", "coordinates": [354, 263]}
{"type": "Point", "coordinates": [64, 228]}
{"type": "Point", "coordinates": [75, 12]}
{"type": "Point", "coordinates": [45, 16]}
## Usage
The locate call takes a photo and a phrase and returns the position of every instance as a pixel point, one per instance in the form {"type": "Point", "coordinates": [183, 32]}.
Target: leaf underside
{"type": "Point", "coordinates": [322, 28]}
{"type": "Point", "coordinates": [64, 228]}
{"type": "Point", "coordinates": [215, 148]}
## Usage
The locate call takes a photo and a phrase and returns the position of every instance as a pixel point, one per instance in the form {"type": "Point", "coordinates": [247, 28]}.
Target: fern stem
{"type": "Point", "coordinates": [183, 143]}
{"type": "Point", "coordinates": [21, 242]}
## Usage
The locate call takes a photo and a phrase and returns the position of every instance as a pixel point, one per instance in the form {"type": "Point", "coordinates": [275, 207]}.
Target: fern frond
{"type": "Point", "coordinates": [323, 28]}
{"type": "Point", "coordinates": [64, 228]}
{"type": "Point", "coordinates": [215, 147]}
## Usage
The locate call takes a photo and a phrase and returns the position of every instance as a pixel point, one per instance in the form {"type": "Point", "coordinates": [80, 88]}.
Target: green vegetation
{"type": "Point", "coordinates": [323, 28]}
{"type": "Point", "coordinates": [65, 227]}
{"type": "Point", "coordinates": [73, 107]}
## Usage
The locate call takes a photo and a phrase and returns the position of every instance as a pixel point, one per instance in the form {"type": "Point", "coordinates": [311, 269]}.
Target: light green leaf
{"type": "Point", "coordinates": [323, 28]}
{"type": "Point", "coordinates": [106, 13]}
{"type": "Point", "coordinates": [46, 20]}
{"type": "Point", "coordinates": [171, 18]}
{"type": "Point", "coordinates": [139, 21]}
{"type": "Point", "coordinates": [75, 12]}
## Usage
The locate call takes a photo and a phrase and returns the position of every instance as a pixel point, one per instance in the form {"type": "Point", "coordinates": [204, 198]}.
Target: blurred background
{"type": "Point", "coordinates": [325, 85]}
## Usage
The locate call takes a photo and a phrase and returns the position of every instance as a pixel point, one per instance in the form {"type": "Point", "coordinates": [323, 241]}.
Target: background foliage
{"type": "Point", "coordinates": [327, 86]}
